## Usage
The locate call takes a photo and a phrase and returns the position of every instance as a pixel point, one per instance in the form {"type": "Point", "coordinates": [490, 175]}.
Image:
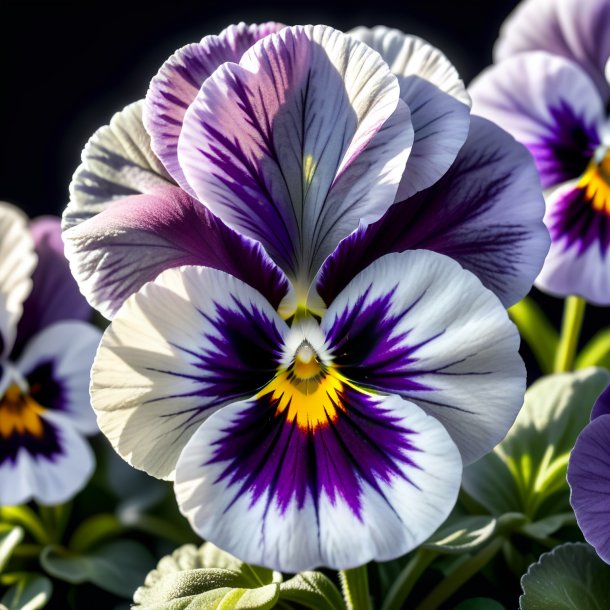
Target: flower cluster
{"type": "Point", "coordinates": [306, 245]}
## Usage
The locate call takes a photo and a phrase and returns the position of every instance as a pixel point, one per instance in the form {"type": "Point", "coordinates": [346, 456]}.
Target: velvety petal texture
{"type": "Point", "coordinates": [486, 213]}
{"type": "Point", "coordinates": [186, 344]}
{"type": "Point", "coordinates": [292, 146]}
{"type": "Point", "coordinates": [572, 29]}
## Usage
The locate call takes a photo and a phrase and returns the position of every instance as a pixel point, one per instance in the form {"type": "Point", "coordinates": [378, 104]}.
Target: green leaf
{"type": "Point", "coordinates": [94, 530]}
{"type": "Point", "coordinates": [529, 465]}
{"type": "Point", "coordinates": [30, 592]}
{"type": "Point", "coordinates": [537, 332]}
{"type": "Point", "coordinates": [549, 525]}
{"type": "Point", "coordinates": [596, 352]}
{"type": "Point", "coordinates": [480, 603]}
{"type": "Point", "coordinates": [571, 577]}
{"type": "Point", "coordinates": [118, 566]}
{"type": "Point", "coordinates": [10, 537]}
{"type": "Point", "coordinates": [312, 590]}
{"type": "Point", "coordinates": [462, 535]}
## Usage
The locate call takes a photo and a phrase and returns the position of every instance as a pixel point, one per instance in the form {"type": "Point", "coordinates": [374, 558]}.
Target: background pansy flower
{"type": "Point", "coordinates": [46, 351]}
{"type": "Point", "coordinates": [312, 419]}
{"type": "Point", "coordinates": [550, 91]}
{"type": "Point", "coordinates": [589, 480]}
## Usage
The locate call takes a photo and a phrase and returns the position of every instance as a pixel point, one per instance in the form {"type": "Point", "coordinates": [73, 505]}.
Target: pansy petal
{"type": "Point", "coordinates": [55, 295]}
{"type": "Point", "coordinates": [547, 103]}
{"type": "Point", "coordinates": [17, 260]}
{"type": "Point", "coordinates": [419, 325]}
{"type": "Point", "coordinates": [589, 479]}
{"type": "Point", "coordinates": [188, 343]}
{"type": "Point", "coordinates": [117, 162]}
{"type": "Point", "coordinates": [172, 229]}
{"type": "Point", "coordinates": [573, 29]}
{"type": "Point", "coordinates": [289, 147]}
{"type": "Point", "coordinates": [602, 404]}
{"type": "Point", "coordinates": [178, 81]}
{"type": "Point", "coordinates": [578, 261]}
{"type": "Point", "coordinates": [486, 213]}
{"type": "Point", "coordinates": [310, 497]}
{"type": "Point", "coordinates": [56, 364]}
{"type": "Point", "coordinates": [50, 466]}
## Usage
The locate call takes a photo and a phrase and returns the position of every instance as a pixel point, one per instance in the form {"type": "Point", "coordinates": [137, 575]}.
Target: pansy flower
{"type": "Point", "coordinates": [46, 351]}
{"type": "Point", "coordinates": [588, 478]}
{"type": "Point", "coordinates": [549, 90]}
{"type": "Point", "coordinates": [301, 334]}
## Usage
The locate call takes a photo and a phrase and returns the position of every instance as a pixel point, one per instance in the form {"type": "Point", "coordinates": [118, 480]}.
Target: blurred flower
{"type": "Point", "coordinates": [550, 91]}
{"type": "Point", "coordinates": [46, 351]}
{"type": "Point", "coordinates": [283, 351]}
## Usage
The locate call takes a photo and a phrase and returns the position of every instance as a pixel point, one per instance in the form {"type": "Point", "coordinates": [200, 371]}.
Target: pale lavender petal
{"type": "Point", "coordinates": [306, 497]}
{"type": "Point", "coordinates": [486, 213]}
{"type": "Point", "coordinates": [289, 146]}
{"type": "Point", "coordinates": [116, 252]}
{"type": "Point", "coordinates": [547, 103]}
{"type": "Point", "coordinates": [589, 480]}
{"type": "Point", "coordinates": [418, 325]}
{"type": "Point", "coordinates": [178, 81]}
{"type": "Point", "coordinates": [574, 29]}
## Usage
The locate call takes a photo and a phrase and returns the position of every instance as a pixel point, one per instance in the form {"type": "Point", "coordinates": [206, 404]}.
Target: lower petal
{"type": "Point", "coordinates": [371, 482]}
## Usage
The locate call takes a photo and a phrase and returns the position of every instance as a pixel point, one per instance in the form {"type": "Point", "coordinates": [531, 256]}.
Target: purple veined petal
{"type": "Point", "coordinates": [589, 480]}
{"type": "Point", "coordinates": [55, 295]}
{"type": "Point", "coordinates": [578, 217]}
{"type": "Point", "coordinates": [298, 144]}
{"type": "Point", "coordinates": [114, 253]}
{"type": "Point", "coordinates": [572, 29]}
{"type": "Point", "coordinates": [602, 404]}
{"type": "Point", "coordinates": [485, 212]}
{"type": "Point", "coordinates": [17, 260]}
{"type": "Point", "coordinates": [117, 162]}
{"type": "Point", "coordinates": [188, 343]}
{"type": "Point", "coordinates": [547, 103]}
{"type": "Point", "coordinates": [56, 364]}
{"type": "Point", "coordinates": [418, 325]}
{"type": "Point", "coordinates": [308, 497]}
{"type": "Point", "coordinates": [178, 81]}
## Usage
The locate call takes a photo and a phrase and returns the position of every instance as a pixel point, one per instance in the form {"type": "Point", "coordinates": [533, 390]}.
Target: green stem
{"type": "Point", "coordinates": [55, 519]}
{"type": "Point", "coordinates": [463, 573]}
{"type": "Point", "coordinates": [28, 519]}
{"type": "Point", "coordinates": [355, 588]}
{"type": "Point", "coordinates": [573, 313]}
{"type": "Point", "coordinates": [406, 580]}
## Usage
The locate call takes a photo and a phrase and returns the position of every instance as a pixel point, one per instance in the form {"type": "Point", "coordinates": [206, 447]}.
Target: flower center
{"type": "Point", "coordinates": [306, 365]}
{"type": "Point", "coordinates": [596, 181]}
{"type": "Point", "coordinates": [19, 414]}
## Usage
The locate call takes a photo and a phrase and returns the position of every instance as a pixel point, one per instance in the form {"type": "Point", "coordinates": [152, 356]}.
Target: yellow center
{"type": "Point", "coordinates": [596, 183]}
{"type": "Point", "coordinates": [19, 414]}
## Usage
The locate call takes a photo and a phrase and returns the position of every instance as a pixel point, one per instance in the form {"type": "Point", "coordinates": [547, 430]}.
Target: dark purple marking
{"type": "Point", "coordinates": [266, 452]}
{"type": "Point", "coordinates": [45, 388]}
{"type": "Point", "coordinates": [564, 151]}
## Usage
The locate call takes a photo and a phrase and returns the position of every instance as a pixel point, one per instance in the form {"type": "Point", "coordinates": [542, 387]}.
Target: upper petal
{"type": "Point", "coordinates": [289, 147]}
{"type": "Point", "coordinates": [418, 325]}
{"type": "Point", "coordinates": [114, 253]}
{"type": "Point", "coordinates": [178, 81]}
{"type": "Point", "coordinates": [486, 213]}
{"type": "Point", "coordinates": [186, 344]}
{"type": "Point", "coordinates": [17, 261]}
{"type": "Point", "coordinates": [573, 29]}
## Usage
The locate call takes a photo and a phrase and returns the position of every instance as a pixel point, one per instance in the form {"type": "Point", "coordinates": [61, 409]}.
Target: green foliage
{"type": "Point", "coordinates": [596, 352]}
{"type": "Point", "coordinates": [312, 590]}
{"type": "Point", "coordinates": [29, 592]}
{"type": "Point", "coordinates": [10, 537]}
{"type": "Point", "coordinates": [480, 603]}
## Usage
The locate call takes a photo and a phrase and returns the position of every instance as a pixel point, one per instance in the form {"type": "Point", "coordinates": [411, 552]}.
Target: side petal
{"type": "Point", "coordinates": [419, 325]}
{"type": "Point", "coordinates": [178, 81]}
{"type": "Point", "coordinates": [289, 146]}
{"type": "Point", "coordinates": [171, 229]}
{"type": "Point", "coordinates": [186, 344]}
{"type": "Point", "coordinates": [549, 105]}
{"type": "Point", "coordinates": [55, 295]}
{"type": "Point", "coordinates": [486, 213]}
{"type": "Point", "coordinates": [17, 261]}
{"type": "Point", "coordinates": [56, 364]}
{"type": "Point", "coordinates": [589, 480]}
{"type": "Point", "coordinates": [117, 162]}
{"type": "Point", "coordinates": [372, 483]}
{"type": "Point", "coordinates": [572, 29]}
{"type": "Point", "coordinates": [602, 404]}
{"type": "Point", "coordinates": [50, 468]}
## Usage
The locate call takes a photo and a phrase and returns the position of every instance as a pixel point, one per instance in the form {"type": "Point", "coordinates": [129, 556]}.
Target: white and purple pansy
{"type": "Point", "coordinates": [46, 351]}
{"type": "Point", "coordinates": [292, 339]}
{"type": "Point", "coordinates": [589, 480]}
{"type": "Point", "coordinates": [549, 90]}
